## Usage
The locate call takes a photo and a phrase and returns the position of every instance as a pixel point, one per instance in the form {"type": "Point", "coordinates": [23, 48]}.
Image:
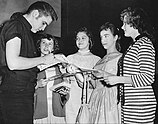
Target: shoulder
{"type": "Point", "coordinates": [12, 26]}
{"type": "Point", "coordinates": [71, 56]}
{"type": "Point", "coordinates": [144, 41]}
{"type": "Point", "coordinates": [96, 57]}
{"type": "Point", "coordinates": [10, 30]}
{"type": "Point", "coordinates": [144, 44]}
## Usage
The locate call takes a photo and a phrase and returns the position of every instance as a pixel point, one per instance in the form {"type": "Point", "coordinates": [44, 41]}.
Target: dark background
{"type": "Point", "coordinates": [8, 7]}
{"type": "Point", "coordinates": [92, 14]}
{"type": "Point", "coordinates": [87, 13]}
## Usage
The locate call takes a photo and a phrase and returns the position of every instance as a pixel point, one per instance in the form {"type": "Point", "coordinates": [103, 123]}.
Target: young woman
{"type": "Point", "coordinates": [44, 97]}
{"type": "Point", "coordinates": [82, 59]}
{"type": "Point", "coordinates": [138, 69]}
{"type": "Point", "coordinates": [103, 103]}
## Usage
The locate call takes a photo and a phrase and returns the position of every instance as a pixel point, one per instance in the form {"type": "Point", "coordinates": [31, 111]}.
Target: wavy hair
{"type": "Point", "coordinates": [138, 19]}
{"type": "Point", "coordinates": [88, 33]}
{"type": "Point", "coordinates": [44, 8]}
{"type": "Point", "coordinates": [49, 37]}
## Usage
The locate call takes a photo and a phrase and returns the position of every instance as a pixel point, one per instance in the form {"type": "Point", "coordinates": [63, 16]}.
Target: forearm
{"type": "Point", "coordinates": [25, 63]}
{"type": "Point", "coordinates": [112, 80]}
{"type": "Point", "coordinates": [124, 79]}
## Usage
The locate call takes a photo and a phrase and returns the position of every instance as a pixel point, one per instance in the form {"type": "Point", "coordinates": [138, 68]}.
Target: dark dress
{"type": "Point", "coordinates": [40, 99]}
{"type": "Point", "coordinates": [41, 102]}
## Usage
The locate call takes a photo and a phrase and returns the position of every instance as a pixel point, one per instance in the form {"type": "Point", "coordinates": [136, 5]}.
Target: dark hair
{"type": "Point", "coordinates": [138, 19]}
{"type": "Point", "coordinates": [88, 33]}
{"type": "Point", "coordinates": [44, 8]}
{"type": "Point", "coordinates": [49, 37]}
{"type": "Point", "coordinates": [114, 30]}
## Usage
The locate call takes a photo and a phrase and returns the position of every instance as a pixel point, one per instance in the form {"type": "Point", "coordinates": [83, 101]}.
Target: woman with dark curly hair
{"type": "Point", "coordinates": [47, 104]}
{"type": "Point", "coordinates": [138, 69]}
{"type": "Point", "coordinates": [84, 58]}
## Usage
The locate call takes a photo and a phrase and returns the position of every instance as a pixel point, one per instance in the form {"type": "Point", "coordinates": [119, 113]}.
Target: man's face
{"type": "Point", "coordinates": [40, 23]}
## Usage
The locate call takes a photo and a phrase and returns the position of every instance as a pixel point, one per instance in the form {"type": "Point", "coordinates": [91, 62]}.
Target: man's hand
{"type": "Point", "coordinates": [61, 57]}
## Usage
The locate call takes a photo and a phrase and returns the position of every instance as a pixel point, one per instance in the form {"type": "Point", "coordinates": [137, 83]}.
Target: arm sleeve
{"type": "Point", "coordinates": [146, 59]}
{"type": "Point", "coordinates": [13, 30]}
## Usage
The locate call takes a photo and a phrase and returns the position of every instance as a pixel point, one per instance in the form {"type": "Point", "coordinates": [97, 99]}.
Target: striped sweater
{"type": "Point", "coordinates": [140, 102]}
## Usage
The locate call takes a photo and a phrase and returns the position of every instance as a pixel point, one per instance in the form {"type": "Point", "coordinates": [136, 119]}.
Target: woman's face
{"type": "Point", "coordinates": [82, 41]}
{"type": "Point", "coordinates": [127, 28]}
{"type": "Point", "coordinates": [46, 46]}
{"type": "Point", "coordinates": [108, 40]}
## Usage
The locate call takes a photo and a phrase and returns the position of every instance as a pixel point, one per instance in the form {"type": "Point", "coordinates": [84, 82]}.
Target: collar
{"type": "Point", "coordinates": [83, 52]}
{"type": "Point", "coordinates": [19, 16]}
{"type": "Point", "coordinates": [139, 36]}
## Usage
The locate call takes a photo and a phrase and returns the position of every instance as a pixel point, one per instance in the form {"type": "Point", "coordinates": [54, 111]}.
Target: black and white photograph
{"type": "Point", "coordinates": [78, 62]}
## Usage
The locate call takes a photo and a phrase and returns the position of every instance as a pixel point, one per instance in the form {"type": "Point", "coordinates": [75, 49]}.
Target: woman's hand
{"type": "Point", "coordinates": [98, 74]}
{"type": "Point", "coordinates": [79, 77]}
{"type": "Point", "coordinates": [41, 83]}
{"type": "Point", "coordinates": [111, 80]}
{"type": "Point", "coordinates": [102, 74]}
{"type": "Point", "coordinates": [72, 69]}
